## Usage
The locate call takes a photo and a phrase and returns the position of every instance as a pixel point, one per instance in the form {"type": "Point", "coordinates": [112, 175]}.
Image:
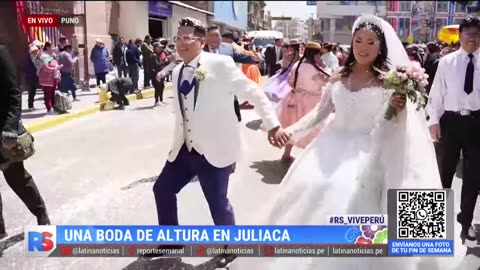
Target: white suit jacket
{"type": "Point", "coordinates": [215, 130]}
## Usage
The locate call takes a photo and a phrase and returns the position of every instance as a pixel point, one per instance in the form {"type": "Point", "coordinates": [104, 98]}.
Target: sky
{"type": "Point", "coordinates": [291, 9]}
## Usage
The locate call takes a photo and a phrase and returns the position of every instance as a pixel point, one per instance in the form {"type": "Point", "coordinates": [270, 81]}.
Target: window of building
{"type": "Point", "coordinates": [345, 23]}
{"type": "Point", "coordinates": [348, 3]}
{"type": "Point", "coordinates": [442, 6]}
{"type": "Point", "coordinates": [391, 6]}
{"type": "Point", "coordinates": [377, 3]}
{"type": "Point", "coordinates": [404, 23]}
{"type": "Point", "coordinates": [460, 7]}
{"type": "Point", "coordinates": [457, 20]}
{"type": "Point", "coordinates": [441, 22]}
{"type": "Point", "coordinates": [325, 25]}
{"type": "Point", "coordinates": [390, 20]}
{"type": "Point", "coordinates": [405, 6]}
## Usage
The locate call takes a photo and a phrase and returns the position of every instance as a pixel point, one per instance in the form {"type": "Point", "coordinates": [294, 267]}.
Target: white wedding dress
{"type": "Point", "coordinates": [348, 169]}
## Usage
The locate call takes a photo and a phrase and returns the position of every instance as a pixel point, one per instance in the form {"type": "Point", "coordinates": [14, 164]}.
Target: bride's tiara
{"type": "Point", "coordinates": [367, 21]}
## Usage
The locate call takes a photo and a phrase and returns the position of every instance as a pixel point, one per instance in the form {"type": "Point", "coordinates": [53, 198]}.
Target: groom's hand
{"type": "Point", "coordinates": [278, 137]}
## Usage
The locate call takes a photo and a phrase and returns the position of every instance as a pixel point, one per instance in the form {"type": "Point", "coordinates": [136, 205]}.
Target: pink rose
{"type": "Point", "coordinates": [423, 83]}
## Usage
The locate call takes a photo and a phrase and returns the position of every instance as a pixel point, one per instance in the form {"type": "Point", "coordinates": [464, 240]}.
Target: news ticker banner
{"type": "Point", "coordinates": [53, 20]}
{"type": "Point", "coordinates": [334, 240]}
{"type": "Point", "coordinates": [216, 250]}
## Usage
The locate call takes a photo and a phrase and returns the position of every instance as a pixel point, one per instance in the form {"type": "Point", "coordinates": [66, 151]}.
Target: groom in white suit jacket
{"type": "Point", "coordinates": [206, 139]}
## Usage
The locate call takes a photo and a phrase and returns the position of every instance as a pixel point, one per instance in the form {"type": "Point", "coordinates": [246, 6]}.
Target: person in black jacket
{"type": "Point", "coordinates": [431, 63]}
{"type": "Point", "coordinates": [133, 60]}
{"type": "Point", "coordinates": [158, 61]}
{"type": "Point", "coordinates": [119, 87]}
{"type": "Point", "coordinates": [15, 174]}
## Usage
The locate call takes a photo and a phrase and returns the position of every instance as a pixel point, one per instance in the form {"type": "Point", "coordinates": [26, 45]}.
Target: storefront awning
{"type": "Point", "coordinates": [178, 3]}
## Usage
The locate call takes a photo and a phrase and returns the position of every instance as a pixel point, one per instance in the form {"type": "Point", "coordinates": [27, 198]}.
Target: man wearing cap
{"type": "Point", "coordinates": [99, 57]}
{"type": "Point", "coordinates": [273, 56]}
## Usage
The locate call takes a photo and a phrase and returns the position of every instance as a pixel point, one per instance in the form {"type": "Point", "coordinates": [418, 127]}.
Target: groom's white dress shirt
{"type": "Point", "coordinates": [447, 92]}
{"type": "Point", "coordinates": [213, 128]}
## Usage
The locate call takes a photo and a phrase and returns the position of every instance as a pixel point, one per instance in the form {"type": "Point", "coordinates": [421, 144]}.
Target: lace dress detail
{"type": "Point", "coordinates": [351, 114]}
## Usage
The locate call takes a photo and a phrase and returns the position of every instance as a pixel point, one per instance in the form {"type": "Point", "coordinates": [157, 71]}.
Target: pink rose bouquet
{"type": "Point", "coordinates": [410, 82]}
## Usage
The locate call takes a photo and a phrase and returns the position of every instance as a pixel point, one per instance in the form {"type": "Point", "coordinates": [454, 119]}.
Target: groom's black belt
{"type": "Point", "coordinates": [463, 113]}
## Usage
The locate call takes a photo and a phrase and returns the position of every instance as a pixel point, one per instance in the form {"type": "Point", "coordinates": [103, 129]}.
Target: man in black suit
{"type": "Point", "coordinates": [15, 174]}
{"type": "Point", "coordinates": [273, 55]}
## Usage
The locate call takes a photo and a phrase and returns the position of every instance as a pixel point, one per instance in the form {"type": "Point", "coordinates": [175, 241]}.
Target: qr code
{"type": "Point", "coordinates": [421, 214]}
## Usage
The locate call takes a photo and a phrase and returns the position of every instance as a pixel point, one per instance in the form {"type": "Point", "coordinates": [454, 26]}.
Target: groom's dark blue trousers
{"type": "Point", "coordinates": [177, 174]}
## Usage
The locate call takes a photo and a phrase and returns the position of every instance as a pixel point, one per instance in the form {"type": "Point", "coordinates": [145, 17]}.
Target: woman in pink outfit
{"type": "Point", "coordinates": [306, 80]}
{"type": "Point", "coordinates": [49, 76]}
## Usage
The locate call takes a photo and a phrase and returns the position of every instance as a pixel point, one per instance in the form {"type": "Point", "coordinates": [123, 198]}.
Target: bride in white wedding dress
{"type": "Point", "coordinates": [358, 157]}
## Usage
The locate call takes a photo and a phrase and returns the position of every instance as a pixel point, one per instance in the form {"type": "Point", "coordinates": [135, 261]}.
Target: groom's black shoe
{"type": "Point", "coordinates": [469, 233]}
{"type": "Point", "coordinates": [225, 259]}
{"type": "Point", "coordinates": [161, 251]}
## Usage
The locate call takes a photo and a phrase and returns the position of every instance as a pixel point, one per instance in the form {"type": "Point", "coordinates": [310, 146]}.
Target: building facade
{"type": "Point", "coordinates": [107, 20]}
{"type": "Point", "coordinates": [164, 16]}
{"type": "Point", "coordinates": [292, 29]}
{"type": "Point", "coordinates": [258, 17]}
{"type": "Point", "coordinates": [337, 17]}
{"type": "Point", "coordinates": [231, 16]}
{"type": "Point", "coordinates": [419, 21]}
{"type": "Point", "coordinates": [314, 29]}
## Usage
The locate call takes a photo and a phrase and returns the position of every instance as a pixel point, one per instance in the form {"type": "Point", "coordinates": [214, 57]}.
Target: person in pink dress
{"type": "Point", "coordinates": [276, 87]}
{"type": "Point", "coordinates": [306, 80]}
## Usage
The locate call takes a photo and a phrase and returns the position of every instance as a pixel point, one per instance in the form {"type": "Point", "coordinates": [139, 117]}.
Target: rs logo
{"type": "Point", "coordinates": [40, 241]}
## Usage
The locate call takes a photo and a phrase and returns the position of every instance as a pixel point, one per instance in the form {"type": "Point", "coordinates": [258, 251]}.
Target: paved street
{"type": "Point", "coordinates": [100, 170]}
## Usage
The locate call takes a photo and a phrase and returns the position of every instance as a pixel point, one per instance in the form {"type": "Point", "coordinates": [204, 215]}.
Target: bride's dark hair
{"type": "Point", "coordinates": [380, 64]}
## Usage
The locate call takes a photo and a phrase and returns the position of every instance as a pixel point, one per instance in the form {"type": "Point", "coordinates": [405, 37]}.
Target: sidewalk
{"type": "Point", "coordinates": [37, 120]}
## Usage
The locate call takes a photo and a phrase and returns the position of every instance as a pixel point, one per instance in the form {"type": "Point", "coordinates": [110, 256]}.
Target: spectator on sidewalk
{"type": "Point", "coordinates": [159, 61]}
{"type": "Point", "coordinates": [133, 61]}
{"type": "Point", "coordinates": [147, 51]}
{"type": "Point", "coordinates": [119, 58]}
{"type": "Point", "coordinates": [49, 76]}
{"type": "Point", "coordinates": [171, 53]}
{"type": "Point", "coordinates": [15, 174]}
{"type": "Point", "coordinates": [67, 61]}
{"type": "Point", "coordinates": [99, 57]}
{"type": "Point", "coordinates": [62, 42]}
{"type": "Point", "coordinates": [30, 79]}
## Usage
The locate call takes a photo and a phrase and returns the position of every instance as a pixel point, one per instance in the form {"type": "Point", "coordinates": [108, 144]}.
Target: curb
{"type": "Point", "coordinates": [60, 119]}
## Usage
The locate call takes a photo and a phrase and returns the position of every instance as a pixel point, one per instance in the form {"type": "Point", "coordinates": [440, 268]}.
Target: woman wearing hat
{"type": "Point", "coordinates": [306, 81]}
{"type": "Point", "coordinates": [276, 87]}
